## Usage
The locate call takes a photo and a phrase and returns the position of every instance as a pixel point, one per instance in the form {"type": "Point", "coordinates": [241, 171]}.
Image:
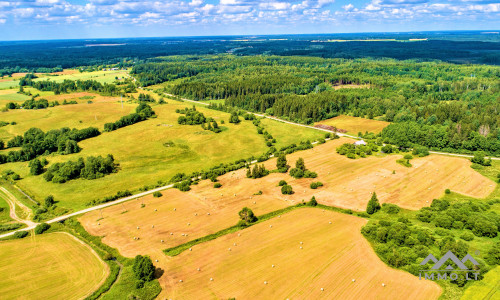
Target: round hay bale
{"type": "Point", "coordinates": [272, 266]}
{"type": "Point", "coordinates": [180, 280]}
{"type": "Point", "coordinates": [211, 279]}
{"type": "Point", "coordinates": [137, 227]}
{"type": "Point", "coordinates": [322, 289]}
{"type": "Point", "coordinates": [229, 249]}
{"type": "Point", "coordinates": [199, 269]}
{"type": "Point", "coordinates": [171, 233]}
{"type": "Point", "coordinates": [156, 260]}
{"type": "Point", "coordinates": [383, 284]}
{"type": "Point", "coordinates": [190, 249]}
{"type": "Point", "coordinates": [98, 223]}
{"type": "Point", "coordinates": [162, 241]}
{"type": "Point", "coordinates": [156, 209]}
{"type": "Point", "coordinates": [265, 282]}
{"type": "Point", "coordinates": [353, 280]}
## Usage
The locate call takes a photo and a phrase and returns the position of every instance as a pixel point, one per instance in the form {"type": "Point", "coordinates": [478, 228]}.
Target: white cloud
{"type": "Point", "coordinates": [348, 7]}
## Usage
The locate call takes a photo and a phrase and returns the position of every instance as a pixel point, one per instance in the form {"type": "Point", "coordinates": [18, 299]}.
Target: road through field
{"type": "Point", "coordinates": [325, 130]}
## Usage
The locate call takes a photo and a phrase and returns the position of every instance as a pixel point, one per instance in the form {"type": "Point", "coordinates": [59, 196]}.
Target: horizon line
{"type": "Point", "coordinates": [484, 31]}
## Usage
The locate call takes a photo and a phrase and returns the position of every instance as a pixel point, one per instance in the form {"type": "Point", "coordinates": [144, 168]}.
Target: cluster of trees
{"type": "Point", "coordinates": [257, 171]}
{"type": "Point", "coordinates": [474, 216]}
{"type": "Point", "coordinates": [142, 112]}
{"type": "Point", "coordinates": [281, 164]}
{"type": "Point", "coordinates": [403, 244]}
{"type": "Point", "coordinates": [90, 168]}
{"type": "Point", "coordinates": [192, 116]}
{"type": "Point", "coordinates": [352, 151]}
{"type": "Point", "coordinates": [300, 170]}
{"type": "Point", "coordinates": [449, 108]}
{"type": "Point", "coordinates": [479, 158]}
{"type": "Point", "coordinates": [8, 71]}
{"type": "Point", "coordinates": [145, 97]}
{"type": "Point", "coordinates": [37, 104]}
{"type": "Point", "coordinates": [35, 142]}
{"type": "Point", "coordinates": [69, 86]}
{"type": "Point", "coordinates": [144, 270]}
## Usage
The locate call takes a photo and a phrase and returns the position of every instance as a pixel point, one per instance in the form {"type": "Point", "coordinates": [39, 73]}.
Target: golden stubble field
{"type": "Point", "coordinates": [354, 125]}
{"type": "Point", "coordinates": [347, 184]}
{"type": "Point", "coordinates": [294, 256]}
{"type": "Point", "coordinates": [49, 266]}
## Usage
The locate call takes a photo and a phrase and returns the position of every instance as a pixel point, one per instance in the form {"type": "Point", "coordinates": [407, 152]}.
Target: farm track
{"type": "Point", "coordinates": [13, 201]}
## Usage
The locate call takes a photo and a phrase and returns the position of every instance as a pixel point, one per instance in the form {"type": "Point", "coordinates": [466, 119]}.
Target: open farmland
{"type": "Point", "coordinates": [188, 216]}
{"type": "Point", "coordinates": [100, 76]}
{"type": "Point", "coordinates": [331, 256]}
{"type": "Point", "coordinates": [348, 183]}
{"type": "Point", "coordinates": [79, 116]}
{"type": "Point", "coordinates": [141, 149]}
{"type": "Point", "coordinates": [34, 265]}
{"type": "Point", "coordinates": [353, 125]}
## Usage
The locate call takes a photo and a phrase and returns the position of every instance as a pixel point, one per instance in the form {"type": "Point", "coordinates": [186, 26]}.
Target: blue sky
{"type": "Point", "coordinates": [57, 19]}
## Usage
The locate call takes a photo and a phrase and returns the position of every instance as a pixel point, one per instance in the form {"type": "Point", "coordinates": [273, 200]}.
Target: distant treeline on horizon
{"type": "Point", "coordinates": [463, 47]}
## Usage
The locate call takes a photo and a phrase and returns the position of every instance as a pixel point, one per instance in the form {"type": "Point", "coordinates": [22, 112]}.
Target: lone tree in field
{"type": "Point", "coordinates": [246, 215]}
{"type": "Point", "coordinates": [373, 205]}
{"type": "Point", "coordinates": [281, 164]}
{"type": "Point", "coordinates": [143, 268]}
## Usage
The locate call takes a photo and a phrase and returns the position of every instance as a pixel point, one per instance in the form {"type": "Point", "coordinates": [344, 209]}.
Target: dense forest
{"type": "Point", "coordinates": [438, 105]}
{"type": "Point", "coordinates": [43, 56]}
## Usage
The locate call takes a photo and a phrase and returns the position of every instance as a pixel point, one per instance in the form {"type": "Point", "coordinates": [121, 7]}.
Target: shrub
{"type": "Point", "coordinates": [49, 201]}
{"type": "Point", "coordinates": [447, 191]}
{"type": "Point", "coordinates": [20, 234]}
{"type": "Point", "coordinates": [315, 185]}
{"type": "Point", "coordinates": [217, 185]}
{"type": "Point", "coordinates": [41, 228]}
{"type": "Point", "coordinates": [296, 173]}
{"type": "Point", "coordinates": [390, 208]}
{"type": "Point", "coordinates": [157, 194]}
{"type": "Point", "coordinates": [282, 183]}
{"type": "Point", "coordinates": [286, 189]}
{"type": "Point", "coordinates": [493, 254]}
{"type": "Point", "coordinates": [408, 156]}
{"type": "Point", "coordinates": [467, 236]}
{"type": "Point", "coordinates": [310, 174]}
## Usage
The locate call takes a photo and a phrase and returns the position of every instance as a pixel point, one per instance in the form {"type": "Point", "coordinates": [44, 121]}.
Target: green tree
{"type": "Point", "coordinates": [234, 118]}
{"type": "Point", "coordinates": [247, 216]}
{"type": "Point", "coordinates": [36, 167]}
{"type": "Point", "coordinates": [373, 205]}
{"type": "Point", "coordinates": [143, 268]}
{"type": "Point", "coordinates": [299, 164]}
{"type": "Point", "coordinates": [312, 202]}
{"type": "Point", "coordinates": [281, 164]}
{"type": "Point", "coordinates": [49, 201]}
{"type": "Point", "coordinates": [286, 189]}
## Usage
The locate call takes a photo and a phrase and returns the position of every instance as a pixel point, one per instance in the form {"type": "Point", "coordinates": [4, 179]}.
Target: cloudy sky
{"type": "Point", "coordinates": [55, 19]}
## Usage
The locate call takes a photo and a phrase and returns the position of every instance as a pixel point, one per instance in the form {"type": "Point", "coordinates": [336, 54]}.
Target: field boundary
{"type": "Point", "coordinates": [174, 251]}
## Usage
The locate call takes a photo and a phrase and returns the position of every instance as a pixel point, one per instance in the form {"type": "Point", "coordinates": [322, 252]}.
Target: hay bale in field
{"type": "Point", "coordinates": [353, 280]}
{"type": "Point", "coordinates": [211, 279]}
{"type": "Point", "coordinates": [383, 284]}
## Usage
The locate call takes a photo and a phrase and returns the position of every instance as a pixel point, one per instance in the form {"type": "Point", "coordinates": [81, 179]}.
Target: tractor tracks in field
{"type": "Point", "coordinates": [12, 201]}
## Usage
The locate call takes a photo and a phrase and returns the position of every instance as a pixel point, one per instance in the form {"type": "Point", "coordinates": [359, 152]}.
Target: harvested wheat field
{"type": "Point", "coordinates": [187, 215]}
{"type": "Point", "coordinates": [349, 182]}
{"type": "Point", "coordinates": [354, 125]}
{"type": "Point", "coordinates": [49, 266]}
{"type": "Point", "coordinates": [301, 254]}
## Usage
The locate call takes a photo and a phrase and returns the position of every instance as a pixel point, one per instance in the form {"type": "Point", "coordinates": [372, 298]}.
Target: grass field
{"type": "Point", "coordinates": [486, 289]}
{"type": "Point", "coordinates": [353, 125]}
{"type": "Point", "coordinates": [52, 266]}
{"type": "Point", "coordinates": [119, 227]}
{"type": "Point", "coordinates": [80, 115]}
{"type": "Point", "coordinates": [140, 150]}
{"type": "Point", "coordinates": [100, 76]}
{"type": "Point", "coordinates": [331, 256]}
